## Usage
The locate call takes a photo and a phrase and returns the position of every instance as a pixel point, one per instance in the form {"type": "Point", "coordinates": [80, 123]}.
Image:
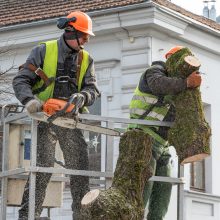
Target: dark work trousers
{"type": "Point", "coordinates": [158, 193]}
{"type": "Point", "coordinates": [75, 154]}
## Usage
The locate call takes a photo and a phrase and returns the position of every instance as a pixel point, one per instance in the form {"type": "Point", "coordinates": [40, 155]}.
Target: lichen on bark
{"type": "Point", "coordinates": [190, 134]}
{"type": "Point", "coordinates": [124, 199]}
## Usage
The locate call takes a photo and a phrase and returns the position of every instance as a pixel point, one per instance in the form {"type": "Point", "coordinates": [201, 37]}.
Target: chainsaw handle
{"type": "Point", "coordinates": [62, 111]}
{"type": "Point", "coordinates": [77, 102]}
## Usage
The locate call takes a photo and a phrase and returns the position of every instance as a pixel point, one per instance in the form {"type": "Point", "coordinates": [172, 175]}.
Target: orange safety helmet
{"type": "Point", "coordinates": [82, 23]}
{"type": "Point", "coordinates": [173, 50]}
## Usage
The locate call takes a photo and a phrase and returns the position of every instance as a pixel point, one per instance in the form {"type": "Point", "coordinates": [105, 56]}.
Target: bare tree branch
{"type": "Point", "coordinates": [7, 55]}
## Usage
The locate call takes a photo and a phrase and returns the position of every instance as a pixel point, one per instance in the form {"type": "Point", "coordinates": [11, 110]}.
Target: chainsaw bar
{"type": "Point", "coordinates": [71, 123]}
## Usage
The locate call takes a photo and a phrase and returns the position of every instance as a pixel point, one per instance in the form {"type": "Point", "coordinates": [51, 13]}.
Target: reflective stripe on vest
{"type": "Point", "coordinates": [50, 69]}
{"type": "Point", "coordinates": [141, 103]}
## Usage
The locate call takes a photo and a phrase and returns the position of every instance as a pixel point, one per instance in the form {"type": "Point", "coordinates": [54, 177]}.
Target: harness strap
{"type": "Point", "coordinates": [157, 104]}
{"type": "Point", "coordinates": [39, 72]}
{"type": "Point", "coordinates": [79, 62]}
{"type": "Point", "coordinates": [47, 81]}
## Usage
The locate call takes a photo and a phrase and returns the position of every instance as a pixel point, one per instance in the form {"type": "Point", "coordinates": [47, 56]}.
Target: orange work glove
{"type": "Point", "coordinates": [194, 80]}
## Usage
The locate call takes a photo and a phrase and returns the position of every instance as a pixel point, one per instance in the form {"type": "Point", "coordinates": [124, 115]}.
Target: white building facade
{"type": "Point", "coordinates": [127, 40]}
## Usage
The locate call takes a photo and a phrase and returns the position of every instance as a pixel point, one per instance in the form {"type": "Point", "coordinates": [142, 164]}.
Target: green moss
{"type": "Point", "coordinates": [132, 167]}
{"type": "Point", "coordinates": [111, 205]}
{"type": "Point", "coordinates": [174, 63]}
{"type": "Point", "coordinates": [190, 133]}
{"type": "Point", "coordinates": [124, 200]}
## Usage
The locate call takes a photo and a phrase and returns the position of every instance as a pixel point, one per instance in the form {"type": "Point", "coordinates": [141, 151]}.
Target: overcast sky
{"type": "Point", "coordinates": [196, 6]}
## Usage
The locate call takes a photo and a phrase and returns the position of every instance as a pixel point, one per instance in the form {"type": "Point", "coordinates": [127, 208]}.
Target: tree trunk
{"type": "Point", "coordinates": [190, 134]}
{"type": "Point", "coordinates": [124, 200]}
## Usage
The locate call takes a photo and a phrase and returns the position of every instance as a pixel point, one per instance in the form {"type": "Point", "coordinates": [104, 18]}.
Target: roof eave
{"type": "Point", "coordinates": [187, 19]}
{"type": "Point", "coordinates": [26, 25]}
{"type": "Point", "coordinates": [92, 14]}
{"type": "Point", "coordinates": [146, 4]}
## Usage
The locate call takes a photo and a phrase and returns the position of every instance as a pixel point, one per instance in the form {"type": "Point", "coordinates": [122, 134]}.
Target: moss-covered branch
{"type": "Point", "coordinates": [124, 200]}
{"type": "Point", "coordinates": [190, 134]}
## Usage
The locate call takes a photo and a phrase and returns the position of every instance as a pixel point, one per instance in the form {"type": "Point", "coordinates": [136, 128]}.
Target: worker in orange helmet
{"type": "Point", "coordinates": [59, 69]}
{"type": "Point", "coordinates": [149, 103]}
{"type": "Point", "coordinates": [172, 51]}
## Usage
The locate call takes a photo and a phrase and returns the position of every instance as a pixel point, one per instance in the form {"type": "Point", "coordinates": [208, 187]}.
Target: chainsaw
{"type": "Point", "coordinates": [55, 110]}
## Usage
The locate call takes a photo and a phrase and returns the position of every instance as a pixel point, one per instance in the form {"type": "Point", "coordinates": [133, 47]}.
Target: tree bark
{"type": "Point", "coordinates": [124, 199]}
{"type": "Point", "coordinates": [190, 134]}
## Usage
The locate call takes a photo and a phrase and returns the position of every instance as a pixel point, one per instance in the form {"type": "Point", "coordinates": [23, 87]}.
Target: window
{"type": "Point", "coordinates": [197, 176]}
{"type": "Point", "coordinates": [27, 149]}
{"type": "Point", "coordinates": [27, 145]}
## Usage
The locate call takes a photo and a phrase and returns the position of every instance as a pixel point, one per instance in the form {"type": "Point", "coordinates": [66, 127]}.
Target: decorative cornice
{"type": "Point", "coordinates": [102, 64]}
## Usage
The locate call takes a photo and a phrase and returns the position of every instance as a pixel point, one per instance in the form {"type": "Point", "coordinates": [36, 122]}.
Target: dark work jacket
{"type": "Point", "coordinates": [155, 81]}
{"type": "Point", "coordinates": [66, 66]}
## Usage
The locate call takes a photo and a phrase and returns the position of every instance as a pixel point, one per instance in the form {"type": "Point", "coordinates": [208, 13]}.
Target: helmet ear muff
{"type": "Point", "coordinates": [63, 22]}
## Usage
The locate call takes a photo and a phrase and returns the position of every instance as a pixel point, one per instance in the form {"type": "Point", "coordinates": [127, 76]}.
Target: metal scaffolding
{"type": "Point", "coordinates": [17, 116]}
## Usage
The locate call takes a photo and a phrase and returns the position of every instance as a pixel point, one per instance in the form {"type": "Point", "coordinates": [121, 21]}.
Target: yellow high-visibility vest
{"type": "Point", "coordinates": [140, 104]}
{"type": "Point", "coordinates": [50, 69]}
